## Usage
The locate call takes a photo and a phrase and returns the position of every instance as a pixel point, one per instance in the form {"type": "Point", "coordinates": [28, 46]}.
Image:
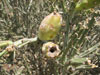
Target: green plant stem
{"type": "Point", "coordinates": [3, 53]}
{"type": "Point", "coordinates": [67, 36]}
{"type": "Point", "coordinates": [19, 44]}
{"type": "Point", "coordinates": [5, 43]}
{"type": "Point", "coordinates": [22, 42]}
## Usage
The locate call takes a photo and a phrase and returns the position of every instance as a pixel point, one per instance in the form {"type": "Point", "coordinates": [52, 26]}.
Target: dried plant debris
{"type": "Point", "coordinates": [50, 50]}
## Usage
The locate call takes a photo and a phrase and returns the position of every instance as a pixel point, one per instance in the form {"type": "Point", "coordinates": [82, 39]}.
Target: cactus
{"type": "Point", "coordinates": [86, 4]}
{"type": "Point", "coordinates": [5, 43]}
{"type": "Point", "coordinates": [50, 26]}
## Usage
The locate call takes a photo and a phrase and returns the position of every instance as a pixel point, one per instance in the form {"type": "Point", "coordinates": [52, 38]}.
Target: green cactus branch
{"type": "Point", "coordinates": [20, 43]}
{"type": "Point", "coordinates": [5, 43]}
{"type": "Point", "coordinates": [24, 41]}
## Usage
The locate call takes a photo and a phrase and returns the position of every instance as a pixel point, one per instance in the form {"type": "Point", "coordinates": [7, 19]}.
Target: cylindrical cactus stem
{"type": "Point", "coordinates": [5, 43]}
{"type": "Point", "coordinates": [50, 26]}
{"type": "Point", "coordinates": [20, 43]}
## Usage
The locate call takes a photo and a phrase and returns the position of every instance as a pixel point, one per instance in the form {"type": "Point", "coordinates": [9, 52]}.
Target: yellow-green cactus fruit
{"type": "Point", "coordinates": [50, 50]}
{"type": "Point", "coordinates": [50, 26]}
{"type": "Point", "coordinates": [86, 4]}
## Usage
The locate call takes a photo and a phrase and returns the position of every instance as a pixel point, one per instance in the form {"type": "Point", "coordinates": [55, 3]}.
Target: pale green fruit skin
{"type": "Point", "coordinates": [86, 4]}
{"type": "Point", "coordinates": [50, 26]}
